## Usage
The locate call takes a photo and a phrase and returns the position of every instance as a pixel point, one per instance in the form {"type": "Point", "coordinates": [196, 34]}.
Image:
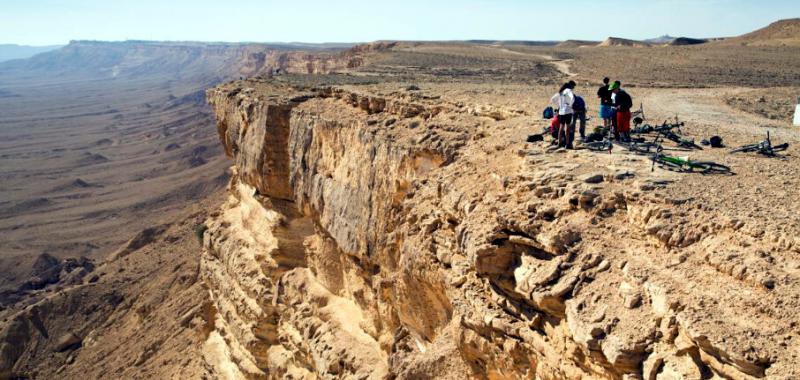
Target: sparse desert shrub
{"type": "Point", "coordinates": [199, 230]}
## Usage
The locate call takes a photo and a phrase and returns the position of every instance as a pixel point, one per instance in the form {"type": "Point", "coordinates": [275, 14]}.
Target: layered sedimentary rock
{"type": "Point", "coordinates": [260, 61]}
{"type": "Point", "coordinates": [372, 233]}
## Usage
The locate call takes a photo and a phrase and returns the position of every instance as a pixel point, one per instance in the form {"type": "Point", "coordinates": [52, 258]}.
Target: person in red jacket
{"type": "Point", "coordinates": [554, 129]}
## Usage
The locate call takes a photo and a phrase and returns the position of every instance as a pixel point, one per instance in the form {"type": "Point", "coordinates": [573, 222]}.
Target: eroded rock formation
{"type": "Point", "coordinates": [372, 233]}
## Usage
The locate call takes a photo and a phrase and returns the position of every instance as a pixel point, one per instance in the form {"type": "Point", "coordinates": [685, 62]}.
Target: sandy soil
{"type": "Point", "coordinates": [776, 103]}
{"type": "Point", "coordinates": [713, 64]}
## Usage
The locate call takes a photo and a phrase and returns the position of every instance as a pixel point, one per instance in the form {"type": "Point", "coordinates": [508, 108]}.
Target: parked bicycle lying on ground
{"type": "Point", "coordinates": [604, 145]}
{"type": "Point", "coordinates": [641, 146]}
{"type": "Point", "coordinates": [599, 140]}
{"type": "Point", "coordinates": [684, 164]}
{"type": "Point", "coordinates": [668, 131]}
{"type": "Point", "coordinates": [765, 147]}
{"type": "Point", "coordinates": [655, 149]}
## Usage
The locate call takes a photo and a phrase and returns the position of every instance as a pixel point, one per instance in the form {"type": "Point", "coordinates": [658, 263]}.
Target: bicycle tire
{"type": "Point", "coordinates": [598, 146]}
{"type": "Point", "coordinates": [644, 148]}
{"type": "Point", "coordinates": [709, 167]}
{"type": "Point", "coordinates": [747, 148]}
{"type": "Point", "coordinates": [780, 148]}
{"type": "Point", "coordinates": [647, 128]}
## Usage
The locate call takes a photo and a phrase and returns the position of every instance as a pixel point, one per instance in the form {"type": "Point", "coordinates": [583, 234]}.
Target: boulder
{"type": "Point", "coordinates": [68, 341]}
{"type": "Point", "coordinates": [592, 178]}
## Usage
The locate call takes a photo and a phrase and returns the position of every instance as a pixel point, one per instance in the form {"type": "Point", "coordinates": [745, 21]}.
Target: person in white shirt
{"type": "Point", "coordinates": [554, 100]}
{"type": "Point", "coordinates": [565, 101]}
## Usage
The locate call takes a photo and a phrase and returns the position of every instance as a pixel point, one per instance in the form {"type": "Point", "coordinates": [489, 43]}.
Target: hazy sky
{"type": "Point", "coordinates": [43, 22]}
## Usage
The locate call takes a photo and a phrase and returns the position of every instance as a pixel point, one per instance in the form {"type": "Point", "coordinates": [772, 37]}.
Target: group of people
{"type": "Point", "coordinates": [615, 110]}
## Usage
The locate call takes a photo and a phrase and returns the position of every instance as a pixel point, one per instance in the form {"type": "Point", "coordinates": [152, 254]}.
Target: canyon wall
{"type": "Point", "coordinates": [257, 60]}
{"type": "Point", "coordinates": [374, 233]}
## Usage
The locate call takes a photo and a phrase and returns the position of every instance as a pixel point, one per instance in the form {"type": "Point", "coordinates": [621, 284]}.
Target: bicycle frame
{"type": "Point", "coordinates": [658, 156]}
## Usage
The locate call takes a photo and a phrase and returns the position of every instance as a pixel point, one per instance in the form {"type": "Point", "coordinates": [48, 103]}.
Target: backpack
{"type": "Point", "coordinates": [579, 104]}
{"type": "Point", "coordinates": [535, 138]}
{"type": "Point", "coordinates": [548, 113]}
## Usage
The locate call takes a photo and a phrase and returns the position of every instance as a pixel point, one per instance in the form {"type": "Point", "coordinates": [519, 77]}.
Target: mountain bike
{"type": "Point", "coordinates": [643, 128]}
{"type": "Point", "coordinates": [666, 131]}
{"type": "Point", "coordinates": [684, 164]}
{"type": "Point", "coordinates": [647, 128]}
{"type": "Point", "coordinates": [604, 145]}
{"type": "Point", "coordinates": [765, 147]}
{"type": "Point", "coordinates": [638, 116]}
{"type": "Point", "coordinates": [640, 146]}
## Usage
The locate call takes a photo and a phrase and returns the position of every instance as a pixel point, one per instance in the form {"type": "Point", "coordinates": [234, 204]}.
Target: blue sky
{"type": "Point", "coordinates": [44, 22]}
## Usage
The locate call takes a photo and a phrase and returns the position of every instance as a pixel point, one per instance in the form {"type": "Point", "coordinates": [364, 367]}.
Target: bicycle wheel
{"type": "Point", "coordinates": [708, 167]}
{"type": "Point", "coordinates": [747, 148]}
{"type": "Point", "coordinates": [780, 148]}
{"type": "Point", "coordinates": [643, 148]}
{"type": "Point", "coordinates": [647, 128]}
{"type": "Point", "coordinates": [598, 146]}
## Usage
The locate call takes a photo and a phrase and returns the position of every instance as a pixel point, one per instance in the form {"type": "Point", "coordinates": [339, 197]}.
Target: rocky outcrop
{"type": "Point", "coordinates": [260, 61]}
{"type": "Point", "coordinates": [616, 41]}
{"type": "Point", "coordinates": [369, 233]}
{"type": "Point", "coordinates": [48, 271]}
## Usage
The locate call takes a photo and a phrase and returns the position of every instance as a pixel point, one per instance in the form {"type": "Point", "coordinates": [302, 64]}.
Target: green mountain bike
{"type": "Point", "coordinates": [682, 164]}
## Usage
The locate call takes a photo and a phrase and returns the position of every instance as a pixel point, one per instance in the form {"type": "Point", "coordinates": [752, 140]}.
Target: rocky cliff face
{"type": "Point", "coordinates": [380, 236]}
{"type": "Point", "coordinates": [260, 61]}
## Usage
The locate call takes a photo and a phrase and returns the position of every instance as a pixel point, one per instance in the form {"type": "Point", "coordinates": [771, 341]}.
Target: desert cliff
{"type": "Point", "coordinates": [385, 218]}
{"type": "Point", "coordinates": [373, 233]}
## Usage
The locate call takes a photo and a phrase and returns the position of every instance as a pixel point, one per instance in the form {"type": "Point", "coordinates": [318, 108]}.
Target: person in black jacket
{"type": "Point", "coordinates": [622, 104]}
{"type": "Point", "coordinates": [579, 117]}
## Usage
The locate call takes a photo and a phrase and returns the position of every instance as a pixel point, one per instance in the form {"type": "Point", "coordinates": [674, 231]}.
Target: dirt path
{"type": "Point", "coordinates": [562, 65]}
{"type": "Point", "coordinates": [705, 111]}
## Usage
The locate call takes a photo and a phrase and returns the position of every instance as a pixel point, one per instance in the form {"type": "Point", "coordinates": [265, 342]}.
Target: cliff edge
{"type": "Point", "coordinates": [376, 232]}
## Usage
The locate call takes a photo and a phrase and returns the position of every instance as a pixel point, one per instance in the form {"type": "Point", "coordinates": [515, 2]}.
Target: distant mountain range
{"type": "Point", "coordinates": [665, 39]}
{"type": "Point", "coordinates": [11, 51]}
{"type": "Point", "coordinates": [780, 33]}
